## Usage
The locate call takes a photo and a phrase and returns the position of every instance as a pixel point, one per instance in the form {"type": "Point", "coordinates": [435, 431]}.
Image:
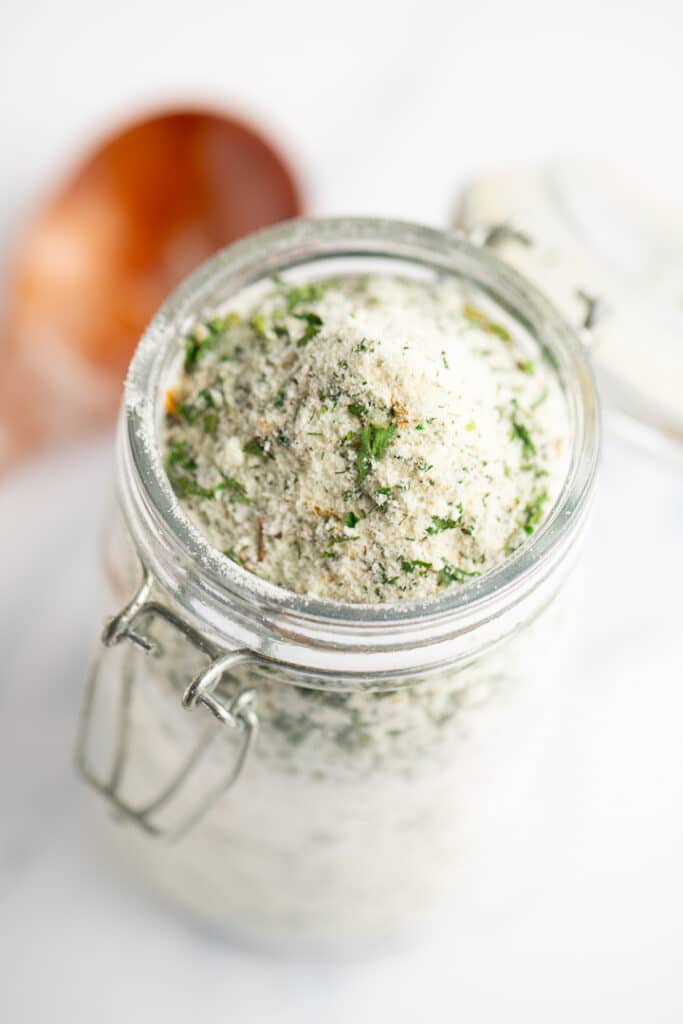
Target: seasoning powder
{"type": "Point", "coordinates": [365, 439]}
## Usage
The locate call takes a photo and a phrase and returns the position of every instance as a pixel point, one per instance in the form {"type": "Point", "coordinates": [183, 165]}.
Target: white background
{"type": "Point", "coordinates": [386, 108]}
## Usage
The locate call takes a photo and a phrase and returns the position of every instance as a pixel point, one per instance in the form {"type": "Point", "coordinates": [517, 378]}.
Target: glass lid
{"type": "Point", "coordinates": [600, 245]}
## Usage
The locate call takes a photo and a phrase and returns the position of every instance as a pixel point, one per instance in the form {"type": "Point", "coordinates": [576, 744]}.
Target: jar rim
{"type": "Point", "coordinates": [241, 608]}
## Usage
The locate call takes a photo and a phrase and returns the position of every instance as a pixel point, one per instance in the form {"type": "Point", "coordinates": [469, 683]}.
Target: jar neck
{"type": "Point", "coordinates": [314, 638]}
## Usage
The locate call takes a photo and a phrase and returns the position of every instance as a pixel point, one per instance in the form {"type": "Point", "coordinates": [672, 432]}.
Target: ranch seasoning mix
{"type": "Point", "coordinates": [365, 439]}
{"type": "Point", "coordinates": [382, 440]}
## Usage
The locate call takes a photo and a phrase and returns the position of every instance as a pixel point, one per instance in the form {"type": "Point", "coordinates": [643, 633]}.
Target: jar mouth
{"type": "Point", "coordinates": [239, 607]}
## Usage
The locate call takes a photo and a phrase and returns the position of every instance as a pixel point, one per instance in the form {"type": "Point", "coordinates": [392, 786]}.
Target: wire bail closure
{"type": "Point", "coordinates": [490, 236]}
{"type": "Point", "coordinates": [238, 714]}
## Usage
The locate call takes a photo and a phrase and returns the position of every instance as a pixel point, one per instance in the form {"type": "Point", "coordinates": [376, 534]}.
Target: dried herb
{"type": "Point", "coordinates": [258, 323]}
{"type": "Point", "coordinates": [195, 348]}
{"type": "Point", "coordinates": [314, 323]}
{"type": "Point", "coordinates": [258, 446]}
{"type": "Point", "coordinates": [439, 525]}
{"type": "Point", "coordinates": [237, 490]}
{"type": "Point", "coordinates": [372, 442]}
{"type": "Point", "coordinates": [452, 574]}
{"type": "Point", "coordinates": [522, 434]}
{"type": "Point", "coordinates": [410, 565]}
{"type": "Point", "coordinates": [484, 323]}
{"type": "Point", "coordinates": [533, 512]}
{"type": "Point", "coordinates": [234, 557]}
{"type": "Point", "coordinates": [304, 293]}
{"type": "Point", "coordinates": [180, 467]}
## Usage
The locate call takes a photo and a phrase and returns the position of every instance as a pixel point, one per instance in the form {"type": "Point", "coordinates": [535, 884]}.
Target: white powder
{"type": "Point", "coordinates": [415, 437]}
{"type": "Point", "coordinates": [358, 813]}
{"type": "Point", "coordinates": [365, 439]}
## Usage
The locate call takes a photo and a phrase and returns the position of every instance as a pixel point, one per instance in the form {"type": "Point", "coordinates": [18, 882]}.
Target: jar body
{"type": "Point", "coordinates": [359, 813]}
{"type": "Point", "coordinates": [395, 743]}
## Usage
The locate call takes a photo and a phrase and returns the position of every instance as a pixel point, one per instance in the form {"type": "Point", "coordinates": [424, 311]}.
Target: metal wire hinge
{"type": "Point", "coordinates": [492, 235]}
{"type": "Point", "coordinates": [237, 714]}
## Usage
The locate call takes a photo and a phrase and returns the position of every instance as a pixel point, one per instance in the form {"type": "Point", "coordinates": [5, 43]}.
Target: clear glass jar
{"type": "Point", "coordinates": [358, 760]}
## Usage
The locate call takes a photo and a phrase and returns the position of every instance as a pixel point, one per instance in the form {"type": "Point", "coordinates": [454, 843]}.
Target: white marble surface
{"type": "Point", "coordinates": [388, 108]}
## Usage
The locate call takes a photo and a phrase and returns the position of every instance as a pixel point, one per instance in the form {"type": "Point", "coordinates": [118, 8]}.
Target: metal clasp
{"type": "Point", "coordinates": [492, 235]}
{"type": "Point", "coordinates": [238, 714]}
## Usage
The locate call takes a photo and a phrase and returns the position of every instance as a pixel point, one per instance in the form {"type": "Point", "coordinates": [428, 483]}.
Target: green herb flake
{"type": "Point", "coordinates": [533, 512]}
{"type": "Point", "coordinates": [221, 324]}
{"type": "Point", "coordinates": [452, 574]}
{"type": "Point", "coordinates": [352, 520]}
{"type": "Point", "coordinates": [234, 557]}
{"type": "Point", "coordinates": [522, 434]}
{"type": "Point", "coordinates": [373, 441]}
{"type": "Point", "coordinates": [305, 293]}
{"type": "Point", "coordinates": [258, 446]}
{"type": "Point", "coordinates": [358, 409]}
{"type": "Point", "coordinates": [180, 454]}
{"type": "Point", "coordinates": [206, 398]}
{"type": "Point", "coordinates": [180, 465]}
{"type": "Point", "coordinates": [313, 322]}
{"type": "Point", "coordinates": [237, 490]}
{"type": "Point", "coordinates": [185, 487]}
{"type": "Point", "coordinates": [192, 349]}
{"type": "Point", "coordinates": [210, 423]}
{"type": "Point", "coordinates": [192, 411]}
{"type": "Point", "coordinates": [258, 323]}
{"type": "Point", "coordinates": [478, 319]}
{"type": "Point", "coordinates": [195, 348]}
{"type": "Point", "coordinates": [188, 412]}
{"type": "Point", "coordinates": [439, 525]}
{"type": "Point", "coordinates": [410, 565]}
{"type": "Point", "coordinates": [444, 360]}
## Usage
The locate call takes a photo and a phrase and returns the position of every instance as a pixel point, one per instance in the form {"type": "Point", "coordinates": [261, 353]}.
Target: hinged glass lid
{"type": "Point", "coordinates": [582, 233]}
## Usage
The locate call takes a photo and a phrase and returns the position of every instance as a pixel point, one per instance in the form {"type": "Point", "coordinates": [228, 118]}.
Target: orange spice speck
{"type": "Point", "coordinates": [171, 403]}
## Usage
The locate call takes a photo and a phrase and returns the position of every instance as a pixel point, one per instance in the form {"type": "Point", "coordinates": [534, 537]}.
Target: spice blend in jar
{"type": "Point", "coordinates": [366, 439]}
{"type": "Point", "coordinates": [355, 461]}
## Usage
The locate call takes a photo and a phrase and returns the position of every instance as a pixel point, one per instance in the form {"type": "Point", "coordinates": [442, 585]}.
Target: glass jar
{"type": "Point", "coordinates": [342, 767]}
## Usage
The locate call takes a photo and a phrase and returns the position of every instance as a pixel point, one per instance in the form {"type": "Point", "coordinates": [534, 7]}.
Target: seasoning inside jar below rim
{"type": "Point", "coordinates": [365, 438]}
